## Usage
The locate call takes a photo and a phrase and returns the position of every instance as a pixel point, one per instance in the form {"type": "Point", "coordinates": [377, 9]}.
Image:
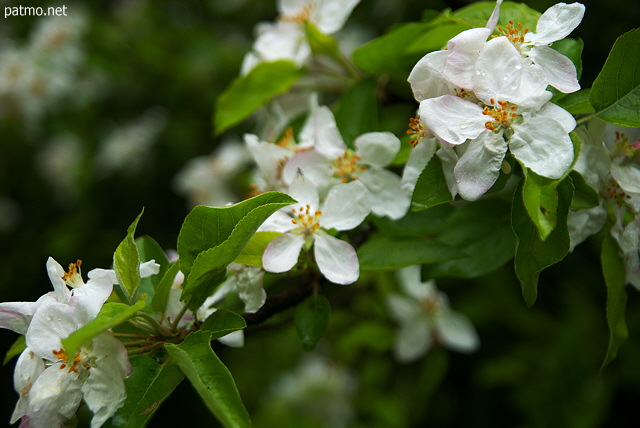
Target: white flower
{"type": "Point", "coordinates": [286, 39]}
{"type": "Point", "coordinates": [555, 24]}
{"type": "Point", "coordinates": [345, 207]}
{"type": "Point", "coordinates": [426, 320]}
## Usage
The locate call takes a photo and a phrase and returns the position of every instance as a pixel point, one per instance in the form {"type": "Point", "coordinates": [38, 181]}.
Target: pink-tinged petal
{"type": "Point", "coordinates": [278, 222]}
{"type": "Point", "coordinates": [426, 78]}
{"type": "Point", "coordinates": [386, 196]}
{"type": "Point", "coordinates": [54, 397]}
{"type": "Point", "coordinates": [479, 166]}
{"type": "Point", "coordinates": [457, 332]}
{"type": "Point", "coordinates": [51, 323]}
{"type": "Point", "coordinates": [321, 132]}
{"type": "Point", "coordinates": [449, 158]}
{"type": "Point", "coordinates": [330, 15]}
{"type": "Point", "coordinates": [452, 119]}
{"type": "Point", "coordinates": [16, 316]}
{"type": "Point", "coordinates": [542, 145]}
{"type": "Point", "coordinates": [377, 148]}
{"type": "Point", "coordinates": [282, 253]}
{"type": "Point", "coordinates": [560, 115]}
{"type": "Point", "coordinates": [304, 191]}
{"type": "Point", "coordinates": [346, 206]}
{"type": "Point", "coordinates": [337, 260]}
{"type": "Point", "coordinates": [559, 70]}
{"type": "Point", "coordinates": [557, 22]}
{"type": "Point", "coordinates": [418, 160]}
{"type": "Point", "coordinates": [56, 272]}
{"type": "Point", "coordinates": [495, 16]}
{"type": "Point", "coordinates": [464, 51]}
{"type": "Point", "coordinates": [313, 165]}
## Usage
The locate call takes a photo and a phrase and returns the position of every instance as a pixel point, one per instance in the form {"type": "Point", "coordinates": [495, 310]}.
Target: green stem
{"type": "Point", "coordinates": [585, 119]}
{"type": "Point", "coordinates": [174, 326]}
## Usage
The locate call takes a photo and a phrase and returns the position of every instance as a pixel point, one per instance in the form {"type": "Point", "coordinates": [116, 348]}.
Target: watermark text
{"type": "Point", "coordinates": [35, 11]}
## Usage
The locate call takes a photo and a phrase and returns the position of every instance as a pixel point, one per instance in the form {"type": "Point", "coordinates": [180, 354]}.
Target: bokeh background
{"type": "Point", "coordinates": [102, 113]}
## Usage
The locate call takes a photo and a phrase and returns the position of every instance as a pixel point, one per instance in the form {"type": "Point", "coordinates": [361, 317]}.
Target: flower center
{"type": "Point", "coordinates": [502, 114]}
{"type": "Point", "coordinates": [346, 167]}
{"type": "Point", "coordinates": [287, 140]}
{"type": "Point", "coordinates": [616, 194]}
{"type": "Point", "coordinates": [431, 305]}
{"type": "Point", "coordinates": [416, 130]}
{"type": "Point", "coordinates": [301, 17]}
{"type": "Point", "coordinates": [515, 33]}
{"type": "Point", "coordinates": [308, 222]}
{"type": "Point", "coordinates": [622, 147]}
{"type": "Point", "coordinates": [61, 355]}
{"type": "Point", "coordinates": [72, 277]}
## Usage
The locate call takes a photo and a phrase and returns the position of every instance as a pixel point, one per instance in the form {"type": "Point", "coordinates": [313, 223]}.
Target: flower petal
{"type": "Point", "coordinates": [52, 322]}
{"type": "Point", "coordinates": [627, 176]}
{"type": "Point", "coordinates": [377, 148]}
{"type": "Point", "coordinates": [457, 332]}
{"type": "Point", "coordinates": [479, 166]}
{"type": "Point", "coordinates": [56, 272]}
{"type": "Point", "coordinates": [279, 221]}
{"type": "Point", "coordinates": [464, 51]}
{"type": "Point", "coordinates": [426, 77]}
{"type": "Point", "coordinates": [330, 15]}
{"type": "Point", "coordinates": [557, 22]}
{"type": "Point", "coordinates": [282, 253]}
{"type": "Point", "coordinates": [313, 165]}
{"type": "Point", "coordinates": [337, 260]}
{"type": "Point", "coordinates": [386, 195]}
{"type": "Point", "coordinates": [54, 396]}
{"type": "Point", "coordinates": [413, 340]}
{"type": "Point", "coordinates": [28, 369]}
{"type": "Point", "coordinates": [321, 132]}
{"type": "Point", "coordinates": [542, 145]}
{"type": "Point", "coordinates": [346, 206]}
{"type": "Point", "coordinates": [16, 316]}
{"type": "Point", "coordinates": [559, 70]}
{"type": "Point", "coordinates": [90, 298]}
{"type": "Point", "coordinates": [452, 119]}
{"type": "Point", "coordinates": [304, 191]}
{"type": "Point", "coordinates": [558, 114]}
{"type": "Point", "coordinates": [418, 160]}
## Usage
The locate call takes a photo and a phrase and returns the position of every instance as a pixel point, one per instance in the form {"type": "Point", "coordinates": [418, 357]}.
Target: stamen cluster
{"type": "Point", "coordinates": [347, 166]}
{"type": "Point", "coordinates": [502, 115]}
{"type": "Point", "coordinates": [307, 221]}
{"type": "Point", "coordinates": [515, 33]}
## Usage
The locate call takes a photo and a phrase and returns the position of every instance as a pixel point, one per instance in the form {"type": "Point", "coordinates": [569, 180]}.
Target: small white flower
{"type": "Point", "coordinates": [426, 320]}
{"type": "Point", "coordinates": [345, 207]}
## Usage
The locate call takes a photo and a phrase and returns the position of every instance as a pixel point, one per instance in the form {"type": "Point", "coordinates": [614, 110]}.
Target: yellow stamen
{"type": "Point", "coordinates": [72, 277]}
{"type": "Point", "coordinates": [346, 167]}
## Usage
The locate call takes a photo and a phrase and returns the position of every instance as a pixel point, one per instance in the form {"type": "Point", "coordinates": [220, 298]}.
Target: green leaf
{"type": "Point", "coordinates": [249, 92]}
{"type": "Point", "coordinates": [509, 11]}
{"type": "Point", "coordinates": [148, 385]}
{"type": "Point", "coordinates": [577, 102]}
{"type": "Point", "coordinates": [161, 294]}
{"type": "Point", "coordinates": [222, 322]}
{"type": "Point", "coordinates": [149, 249]}
{"type": "Point", "coordinates": [615, 94]}
{"type": "Point", "coordinates": [320, 43]}
{"type": "Point", "coordinates": [16, 349]}
{"type": "Point", "coordinates": [357, 111]}
{"type": "Point", "coordinates": [541, 201]}
{"type": "Point", "coordinates": [111, 315]}
{"type": "Point", "coordinates": [385, 252]}
{"type": "Point", "coordinates": [311, 320]}
{"type": "Point", "coordinates": [479, 229]}
{"type": "Point", "coordinates": [431, 188]}
{"type": "Point", "coordinates": [584, 196]}
{"type": "Point", "coordinates": [211, 238]}
{"type": "Point", "coordinates": [252, 253]}
{"type": "Point", "coordinates": [126, 262]}
{"type": "Point", "coordinates": [211, 379]}
{"type": "Point", "coordinates": [613, 268]}
{"type": "Point", "coordinates": [532, 253]}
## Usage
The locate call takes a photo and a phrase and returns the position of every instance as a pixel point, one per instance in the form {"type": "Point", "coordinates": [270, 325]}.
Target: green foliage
{"type": "Point", "coordinates": [250, 92]}
{"type": "Point", "coordinates": [584, 195]}
{"type": "Point", "coordinates": [385, 252]}
{"type": "Point", "coordinates": [149, 249]}
{"type": "Point", "coordinates": [431, 188]}
{"type": "Point", "coordinates": [211, 238]}
{"type": "Point", "coordinates": [16, 349]}
{"type": "Point", "coordinates": [615, 94]}
{"type": "Point", "coordinates": [311, 320]}
{"type": "Point", "coordinates": [148, 386]}
{"type": "Point", "coordinates": [613, 268]}
{"type": "Point", "coordinates": [126, 263]}
{"type": "Point", "coordinates": [111, 315]}
{"type": "Point", "coordinates": [211, 379]}
{"type": "Point", "coordinates": [479, 12]}
{"type": "Point", "coordinates": [357, 111]}
{"type": "Point", "coordinates": [541, 201]}
{"type": "Point", "coordinates": [320, 43]}
{"type": "Point", "coordinates": [532, 253]}
{"type": "Point", "coordinates": [161, 293]}
{"type": "Point", "coordinates": [222, 322]}
{"type": "Point", "coordinates": [252, 253]}
{"type": "Point", "coordinates": [577, 102]}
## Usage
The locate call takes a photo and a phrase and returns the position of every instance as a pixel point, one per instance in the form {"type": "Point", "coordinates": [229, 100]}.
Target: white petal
{"type": "Point", "coordinates": [282, 41]}
{"type": "Point", "coordinates": [452, 119]}
{"type": "Point", "coordinates": [557, 22]}
{"type": "Point", "coordinates": [28, 368]}
{"type": "Point", "coordinates": [346, 206]}
{"type": "Point", "coordinates": [282, 253]}
{"type": "Point", "coordinates": [279, 221]}
{"type": "Point", "coordinates": [54, 397]}
{"type": "Point", "coordinates": [377, 148]}
{"type": "Point", "coordinates": [426, 78]}
{"type": "Point", "coordinates": [627, 176]}
{"type": "Point", "coordinates": [304, 191]}
{"type": "Point", "coordinates": [234, 339]}
{"type": "Point", "coordinates": [464, 51]}
{"type": "Point", "coordinates": [90, 298]}
{"type": "Point", "coordinates": [321, 132]}
{"type": "Point", "coordinates": [337, 260]}
{"type": "Point", "coordinates": [413, 340]}
{"type": "Point", "coordinates": [16, 316]}
{"type": "Point", "coordinates": [542, 145]}
{"type": "Point", "coordinates": [584, 223]}
{"type": "Point", "coordinates": [51, 323]}
{"type": "Point", "coordinates": [250, 288]}
{"type": "Point", "coordinates": [495, 16]}
{"type": "Point", "coordinates": [479, 166]}
{"type": "Point", "coordinates": [386, 196]}
{"type": "Point", "coordinates": [449, 158]}
{"type": "Point", "coordinates": [402, 309]}
{"type": "Point", "coordinates": [330, 15]}
{"type": "Point", "coordinates": [418, 160]}
{"type": "Point", "coordinates": [314, 166]}
{"type": "Point", "coordinates": [268, 157]}
{"type": "Point", "coordinates": [457, 332]}
{"type": "Point", "coordinates": [560, 115]}
{"type": "Point", "coordinates": [56, 272]}
{"type": "Point", "coordinates": [559, 70]}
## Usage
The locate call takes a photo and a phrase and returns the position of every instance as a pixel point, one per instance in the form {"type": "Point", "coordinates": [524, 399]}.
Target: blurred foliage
{"type": "Point", "coordinates": [148, 73]}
